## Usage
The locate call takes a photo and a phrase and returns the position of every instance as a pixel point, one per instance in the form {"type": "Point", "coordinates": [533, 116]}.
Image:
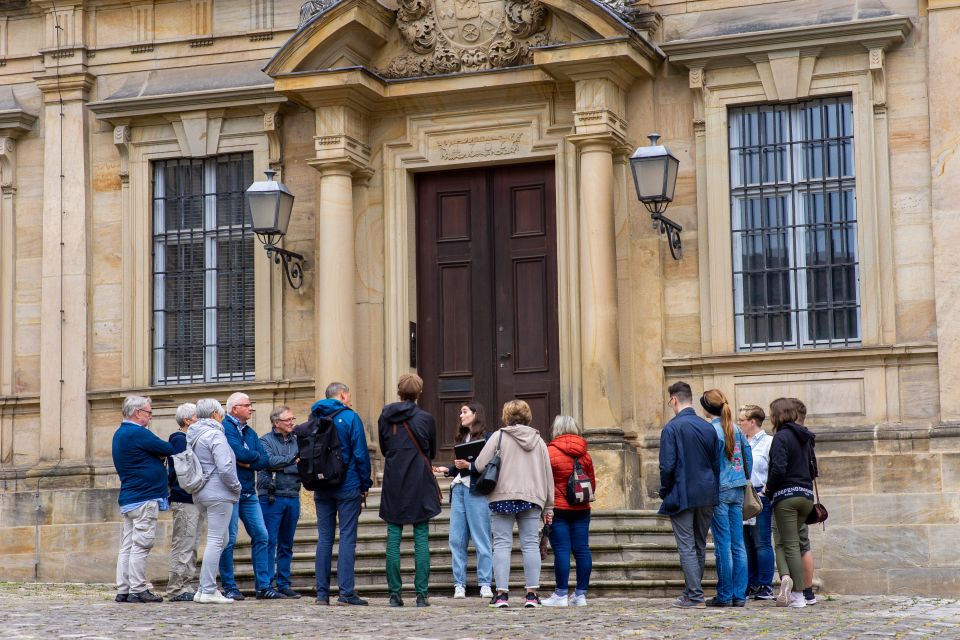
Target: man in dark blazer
{"type": "Point", "coordinates": [689, 487]}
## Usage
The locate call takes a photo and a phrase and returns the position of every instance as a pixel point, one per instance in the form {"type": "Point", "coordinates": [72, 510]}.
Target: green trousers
{"type": "Point", "coordinates": [421, 555]}
{"type": "Point", "coordinates": [790, 514]}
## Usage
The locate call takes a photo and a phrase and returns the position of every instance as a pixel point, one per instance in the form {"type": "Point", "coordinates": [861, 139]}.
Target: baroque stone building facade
{"type": "Point", "coordinates": [465, 207]}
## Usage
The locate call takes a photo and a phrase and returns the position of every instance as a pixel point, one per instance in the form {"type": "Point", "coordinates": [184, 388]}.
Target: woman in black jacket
{"type": "Point", "coordinates": [410, 494]}
{"type": "Point", "coordinates": [790, 488]}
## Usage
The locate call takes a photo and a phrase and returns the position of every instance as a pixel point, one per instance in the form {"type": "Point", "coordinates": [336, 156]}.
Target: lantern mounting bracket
{"type": "Point", "coordinates": [670, 229]}
{"type": "Point", "coordinates": [292, 264]}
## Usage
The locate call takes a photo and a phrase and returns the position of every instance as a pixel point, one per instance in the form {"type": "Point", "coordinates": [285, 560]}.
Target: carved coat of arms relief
{"type": "Point", "coordinates": [449, 36]}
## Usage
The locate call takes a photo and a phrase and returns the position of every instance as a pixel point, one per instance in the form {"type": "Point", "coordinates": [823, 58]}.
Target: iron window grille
{"type": "Point", "coordinates": [203, 270]}
{"type": "Point", "coordinates": [794, 225]}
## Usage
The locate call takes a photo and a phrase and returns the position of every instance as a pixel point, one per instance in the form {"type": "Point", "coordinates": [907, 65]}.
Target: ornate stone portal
{"type": "Point", "coordinates": [450, 36]}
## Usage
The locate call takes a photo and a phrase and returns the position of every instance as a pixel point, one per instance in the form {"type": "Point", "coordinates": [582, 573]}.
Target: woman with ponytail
{"type": "Point", "coordinates": [736, 464]}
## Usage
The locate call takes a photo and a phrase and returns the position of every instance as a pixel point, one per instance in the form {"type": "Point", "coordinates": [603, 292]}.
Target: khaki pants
{"type": "Point", "coordinates": [187, 523]}
{"type": "Point", "coordinates": [139, 532]}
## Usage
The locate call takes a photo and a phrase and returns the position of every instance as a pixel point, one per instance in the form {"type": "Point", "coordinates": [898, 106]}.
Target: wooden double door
{"type": "Point", "coordinates": [487, 293]}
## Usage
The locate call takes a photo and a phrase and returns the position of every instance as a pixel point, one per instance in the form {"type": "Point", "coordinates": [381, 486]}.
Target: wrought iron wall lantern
{"type": "Point", "coordinates": [655, 177]}
{"type": "Point", "coordinates": [270, 204]}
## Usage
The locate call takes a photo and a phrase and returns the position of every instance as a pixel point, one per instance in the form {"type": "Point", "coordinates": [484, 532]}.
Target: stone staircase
{"type": "Point", "coordinates": [634, 554]}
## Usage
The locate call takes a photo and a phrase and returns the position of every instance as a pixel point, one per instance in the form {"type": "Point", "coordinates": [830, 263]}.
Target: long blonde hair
{"type": "Point", "coordinates": [715, 403]}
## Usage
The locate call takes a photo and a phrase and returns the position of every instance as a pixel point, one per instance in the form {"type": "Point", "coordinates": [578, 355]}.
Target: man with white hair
{"type": "Point", "coordinates": [251, 456]}
{"type": "Point", "coordinates": [138, 456]}
{"type": "Point", "coordinates": [187, 518]}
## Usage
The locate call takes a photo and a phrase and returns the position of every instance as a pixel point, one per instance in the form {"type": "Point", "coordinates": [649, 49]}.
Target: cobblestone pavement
{"type": "Point", "coordinates": [80, 611]}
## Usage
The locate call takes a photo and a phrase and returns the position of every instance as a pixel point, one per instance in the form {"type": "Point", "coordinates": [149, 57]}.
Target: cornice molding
{"type": "Point", "coordinates": [870, 33]}
{"type": "Point", "coordinates": [126, 108]}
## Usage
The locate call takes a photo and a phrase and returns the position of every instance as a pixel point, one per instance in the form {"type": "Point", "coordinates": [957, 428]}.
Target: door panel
{"type": "Point", "coordinates": [487, 293]}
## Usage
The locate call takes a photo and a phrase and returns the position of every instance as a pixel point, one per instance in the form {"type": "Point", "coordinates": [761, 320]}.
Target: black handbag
{"type": "Point", "coordinates": [487, 480]}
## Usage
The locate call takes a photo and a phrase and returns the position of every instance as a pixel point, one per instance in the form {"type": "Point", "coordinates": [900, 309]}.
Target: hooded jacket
{"type": "Point", "coordinates": [525, 471]}
{"type": "Point", "coordinates": [409, 494]}
{"type": "Point", "coordinates": [793, 463]}
{"type": "Point", "coordinates": [353, 444]}
{"type": "Point", "coordinates": [563, 450]}
{"type": "Point", "coordinates": [219, 463]}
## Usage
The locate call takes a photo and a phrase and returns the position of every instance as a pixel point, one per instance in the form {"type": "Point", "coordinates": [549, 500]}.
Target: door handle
{"type": "Point", "coordinates": [504, 356]}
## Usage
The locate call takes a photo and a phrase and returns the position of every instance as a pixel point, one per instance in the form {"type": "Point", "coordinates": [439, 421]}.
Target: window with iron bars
{"type": "Point", "coordinates": [794, 222]}
{"type": "Point", "coordinates": [203, 285]}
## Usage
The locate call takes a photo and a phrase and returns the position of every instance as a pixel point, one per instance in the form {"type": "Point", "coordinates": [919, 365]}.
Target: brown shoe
{"type": "Point", "coordinates": [323, 602]}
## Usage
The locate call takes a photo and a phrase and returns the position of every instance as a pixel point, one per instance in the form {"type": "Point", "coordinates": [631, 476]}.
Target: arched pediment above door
{"type": "Point", "coordinates": [422, 38]}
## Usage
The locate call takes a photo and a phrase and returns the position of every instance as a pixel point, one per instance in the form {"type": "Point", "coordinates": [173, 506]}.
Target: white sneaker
{"type": "Point", "coordinates": [786, 586]}
{"type": "Point", "coordinates": [555, 601]}
{"type": "Point", "coordinates": [459, 591]}
{"type": "Point", "coordinates": [211, 598]}
{"type": "Point", "coordinates": [486, 591]}
{"type": "Point", "coordinates": [797, 600]}
{"type": "Point", "coordinates": [578, 600]}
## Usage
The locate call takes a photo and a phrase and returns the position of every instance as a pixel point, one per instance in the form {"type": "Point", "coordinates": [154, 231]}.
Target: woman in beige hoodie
{"type": "Point", "coordinates": [524, 493]}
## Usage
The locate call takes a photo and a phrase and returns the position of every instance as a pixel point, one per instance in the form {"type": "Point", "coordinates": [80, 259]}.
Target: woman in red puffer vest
{"type": "Point", "coordinates": [570, 530]}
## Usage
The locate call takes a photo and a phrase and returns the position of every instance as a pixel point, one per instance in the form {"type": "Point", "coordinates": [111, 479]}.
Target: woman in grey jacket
{"type": "Point", "coordinates": [218, 495]}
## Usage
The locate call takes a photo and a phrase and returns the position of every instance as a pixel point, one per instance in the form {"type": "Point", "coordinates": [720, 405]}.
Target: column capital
{"type": "Point", "coordinates": [601, 141]}
{"type": "Point", "coordinates": [72, 87]}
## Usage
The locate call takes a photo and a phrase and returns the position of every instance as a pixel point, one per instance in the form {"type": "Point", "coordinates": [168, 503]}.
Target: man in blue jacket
{"type": "Point", "coordinates": [251, 457]}
{"type": "Point", "coordinates": [343, 501]}
{"type": "Point", "coordinates": [138, 456]}
{"type": "Point", "coordinates": [689, 487]}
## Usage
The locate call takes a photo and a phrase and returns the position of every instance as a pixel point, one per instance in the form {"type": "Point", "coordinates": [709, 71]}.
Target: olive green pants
{"type": "Point", "coordinates": [421, 555]}
{"type": "Point", "coordinates": [790, 514]}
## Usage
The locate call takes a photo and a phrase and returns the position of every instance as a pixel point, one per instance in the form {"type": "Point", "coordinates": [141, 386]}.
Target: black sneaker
{"type": "Point", "coordinates": [233, 594]}
{"type": "Point", "coordinates": [121, 597]}
{"type": "Point", "coordinates": [289, 593]}
{"type": "Point", "coordinates": [532, 601]}
{"type": "Point", "coordinates": [752, 591]}
{"type": "Point", "coordinates": [764, 592]}
{"type": "Point", "coordinates": [713, 602]}
{"type": "Point", "coordinates": [396, 600]}
{"type": "Point", "coordinates": [500, 600]}
{"type": "Point", "coordinates": [738, 603]}
{"type": "Point", "coordinates": [186, 596]}
{"type": "Point", "coordinates": [353, 599]}
{"type": "Point", "coordinates": [270, 594]}
{"type": "Point", "coordinates": [422, 600]}
{"type": "Point", "coordinates": [144, 596]}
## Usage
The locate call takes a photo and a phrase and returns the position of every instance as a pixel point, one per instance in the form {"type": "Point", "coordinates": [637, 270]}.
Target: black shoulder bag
{"type": "Point", "coordinates": [487, 480]}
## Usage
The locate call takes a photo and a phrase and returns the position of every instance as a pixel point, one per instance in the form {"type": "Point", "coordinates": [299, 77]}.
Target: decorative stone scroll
{"type": "Point", "coordinates": [450, 36]}
{"type": "Point", "coordinates": [480, 146]}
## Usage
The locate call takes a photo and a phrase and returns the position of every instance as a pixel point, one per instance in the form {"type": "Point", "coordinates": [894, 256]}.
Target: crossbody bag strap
{"type": "Point", "coordinates": [424, 456]}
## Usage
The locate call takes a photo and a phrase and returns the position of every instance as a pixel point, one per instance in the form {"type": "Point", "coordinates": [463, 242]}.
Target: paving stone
{"type": "Point", "coordinates": [87, 612]}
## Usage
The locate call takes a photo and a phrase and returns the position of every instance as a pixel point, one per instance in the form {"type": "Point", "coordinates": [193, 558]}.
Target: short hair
{"type": "Point", "coordinates": [801, 409]}
{"type": "Point", "coordinates": [184, 412]}
{"type": "Point", "coordinates": [782, 411]}
{"type": "Point", "coordinates": [563, 425]}
{"type": "Point", "coordinates": [409, 387]}
{"type": "Point", "coordinates": [235, 399]}
{"type": "Point", "coordinates": [207, 407]}
{"type": "Point", "coordinates": [516, 412]}
{"type": "Point", "coordinates": [278, 411]}
{"type": "Point", "coordinates": [335, 388]}
{"type": "Point", "coordinates": [682, 390]}
{"type": "Point", "coordinates": [752, 412]}
{"type": "Point", "coordinates": [132, 404]}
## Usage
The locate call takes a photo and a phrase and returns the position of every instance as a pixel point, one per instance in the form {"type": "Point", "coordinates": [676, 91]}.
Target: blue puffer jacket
{"type": "Point", "coordinates": [353, 444]}
{"type": "Point", "coordinates": [247, 448]}
{"type": "Point", "coordinates": [731, 471]}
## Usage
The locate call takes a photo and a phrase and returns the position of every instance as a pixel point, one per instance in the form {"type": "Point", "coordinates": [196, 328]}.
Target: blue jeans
{"type": "Point", "coordinates": [757, 541]}
{"type": "Point", "coordinates": [570, 532]}
{"type": "Point", "coordinates": [470, 520]}
{"type": "Point", "coordinates": [248, 510]}
{"type": "Point", "coordinates": [330, 504]}
{"type": "Point", "coordinates": [728, 546]}
{"type": "Point", "coordinates": [281, 520]}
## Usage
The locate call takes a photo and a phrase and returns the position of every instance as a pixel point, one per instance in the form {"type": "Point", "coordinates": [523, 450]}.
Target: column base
{"type": "Point", "coordinates": [617, 467]}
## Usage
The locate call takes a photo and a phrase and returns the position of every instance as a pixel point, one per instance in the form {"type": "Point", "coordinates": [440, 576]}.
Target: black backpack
{"type": "Point", "coordinates": [320, 465]}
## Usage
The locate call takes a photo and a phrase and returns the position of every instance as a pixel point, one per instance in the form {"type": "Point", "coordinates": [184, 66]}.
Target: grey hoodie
{"type": "Point", "coordinates": [218, 461]}
{"type": "Point", "coordinates": [525, 471]}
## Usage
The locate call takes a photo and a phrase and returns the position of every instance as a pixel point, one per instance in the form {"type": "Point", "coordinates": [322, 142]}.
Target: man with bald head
{"type": "Point", "coordinates": [251, 457]}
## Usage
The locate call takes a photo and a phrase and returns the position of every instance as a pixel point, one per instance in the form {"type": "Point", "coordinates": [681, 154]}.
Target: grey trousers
{"type": "Point", "coordinates": [139, 532]}
{"type": "Point", "coordinates": [690, 531]}
{"type": "Point", "coordinates": [187, 524]}
{"type": "Point", "coordinates": [501, 526]}
{"type": "Point", "coordinates": [218, 516]}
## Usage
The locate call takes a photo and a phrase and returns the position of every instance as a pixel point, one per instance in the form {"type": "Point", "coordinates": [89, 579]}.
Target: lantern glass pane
{"type": "Point", "coordinates": [284, 207]}
{"type": "Point", "coordinates": [672, 166]}
{"type": "Point", "coordinates": [263, 212]}
{"type": "Point", "coordinates": [648, 173]}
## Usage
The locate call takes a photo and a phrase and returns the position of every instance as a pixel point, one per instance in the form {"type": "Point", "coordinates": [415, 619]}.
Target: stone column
{"type": "Point", "coordinates": [64, 326]}
{"type": "Point", "coordinates": [944, 95]}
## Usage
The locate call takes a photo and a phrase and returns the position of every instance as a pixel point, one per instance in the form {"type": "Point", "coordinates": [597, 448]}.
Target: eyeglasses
{"type": "Point", "coordinates": [290, 419]}
{"type": "Point", "coordinates": [149, 412]}
{"type": "Point", "coordinates": [245, 405]}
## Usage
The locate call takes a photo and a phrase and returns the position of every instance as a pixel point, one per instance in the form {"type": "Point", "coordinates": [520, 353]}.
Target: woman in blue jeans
{"type": "Point", "coordinates": [469, 511]}
{"type": "Point", "coordinates": [757, 532]}
{"type": "Point", "coordinates": [736, 462]}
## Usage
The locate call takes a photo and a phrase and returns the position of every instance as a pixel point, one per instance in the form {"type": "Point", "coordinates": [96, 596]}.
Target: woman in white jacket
{"type": "Point", "coordinates": [218, 495]}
